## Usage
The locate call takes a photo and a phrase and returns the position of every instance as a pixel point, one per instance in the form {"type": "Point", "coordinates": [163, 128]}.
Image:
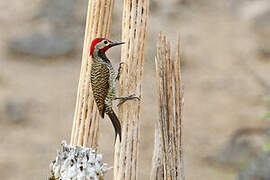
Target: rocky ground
{"type": "Point", "coordinates": [226, 65]}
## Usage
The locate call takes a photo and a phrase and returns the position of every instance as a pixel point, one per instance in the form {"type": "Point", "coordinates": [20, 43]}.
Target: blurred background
{"type": "Point", "coordinates": [225, 50]}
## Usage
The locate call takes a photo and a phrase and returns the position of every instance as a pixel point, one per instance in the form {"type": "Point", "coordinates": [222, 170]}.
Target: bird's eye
{"type": "Point", "coordinates": [105, 42]}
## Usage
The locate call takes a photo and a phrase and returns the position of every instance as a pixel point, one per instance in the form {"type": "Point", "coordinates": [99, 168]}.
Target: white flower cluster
{"type": "Point", "coordinates": [78, 163]}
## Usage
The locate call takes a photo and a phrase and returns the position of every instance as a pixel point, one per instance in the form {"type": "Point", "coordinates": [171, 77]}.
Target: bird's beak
{"type": "Point", "coordinates": [116, 43]}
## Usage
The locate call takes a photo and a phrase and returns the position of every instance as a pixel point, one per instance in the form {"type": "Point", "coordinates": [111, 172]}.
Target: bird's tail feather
{"type": "Point", "coordinates": [116, 123]}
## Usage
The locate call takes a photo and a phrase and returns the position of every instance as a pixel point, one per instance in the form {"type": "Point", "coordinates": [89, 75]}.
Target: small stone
{"type": "Point", "coordinates": [245, 144]}
{"type": "Point", "coordinates": [261, 26]}
{"type": "Point", "coordinates": [43, 45]}
{"type": "Point", "coordinates": [14, 112]}
{"type": "Point", "coordinates": [258, 169]}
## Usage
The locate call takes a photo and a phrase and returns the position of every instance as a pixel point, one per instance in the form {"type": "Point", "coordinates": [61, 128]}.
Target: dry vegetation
{"type": "Point", "coordinates": [221, 97]}
{"type": "Point", "coordinates": [134, 30]}
{"type": "Point", "coordinates": [168, 151]}
{"type": "Point", "coordinates": [86, 118]}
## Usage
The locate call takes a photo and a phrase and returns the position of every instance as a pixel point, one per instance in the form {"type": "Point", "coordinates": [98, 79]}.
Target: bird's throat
{"type": "Point", "coordinates": [101, 56]}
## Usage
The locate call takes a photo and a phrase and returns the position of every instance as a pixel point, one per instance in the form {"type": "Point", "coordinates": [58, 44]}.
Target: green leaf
{"type": "Point", "coordinates": [266, 98]}
{"type": "Point", "coordinates": [266, 115]}
{"type": "Point", "coordinates": [266, 147]}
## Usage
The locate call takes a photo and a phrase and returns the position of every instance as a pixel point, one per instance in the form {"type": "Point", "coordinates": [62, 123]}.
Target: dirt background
{"type": "Point", "coordinates": [226, 67]}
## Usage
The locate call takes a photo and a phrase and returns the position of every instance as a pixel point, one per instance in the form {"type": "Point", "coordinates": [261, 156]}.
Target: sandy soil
{"type": "Point", "coordinates": [221, 95]}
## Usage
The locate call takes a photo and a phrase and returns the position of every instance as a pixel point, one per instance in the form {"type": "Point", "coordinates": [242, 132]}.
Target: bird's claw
{"type": "Point", "coordinates": [124, 99]}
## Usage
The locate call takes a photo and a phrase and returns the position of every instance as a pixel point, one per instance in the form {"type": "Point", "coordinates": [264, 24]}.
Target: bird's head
{"type": "Point", "coordinates": [102, 45]}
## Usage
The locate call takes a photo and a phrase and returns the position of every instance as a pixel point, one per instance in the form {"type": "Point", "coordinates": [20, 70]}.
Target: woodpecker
{"type": "Point", "coordinates": [103, 80]}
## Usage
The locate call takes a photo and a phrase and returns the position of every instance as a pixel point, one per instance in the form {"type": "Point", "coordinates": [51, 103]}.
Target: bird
{"type": "Point", "coordinates": [103, 80]}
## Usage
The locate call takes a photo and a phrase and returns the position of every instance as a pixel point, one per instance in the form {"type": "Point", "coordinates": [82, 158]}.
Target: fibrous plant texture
{"type": "Point", "coordinates": [168, 152]}
{"type": "Point", "coordinates": [86, 117]}
{"type": "Point", "coordinates": [134, 27]}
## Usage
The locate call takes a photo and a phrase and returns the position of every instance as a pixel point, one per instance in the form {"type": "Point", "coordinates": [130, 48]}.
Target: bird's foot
{"type": "Point", "coordinates": [125, 98]}
{"type": "Point", "coordinates": [120, 69]}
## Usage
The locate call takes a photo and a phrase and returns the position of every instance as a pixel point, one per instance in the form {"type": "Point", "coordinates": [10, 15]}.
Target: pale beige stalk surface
{"type": "Point", "coordinates": [168, 154]}
{"type": "Point", "coordinates": [134, 26]}
{"type": "Point", "coordinates": [86, 117]}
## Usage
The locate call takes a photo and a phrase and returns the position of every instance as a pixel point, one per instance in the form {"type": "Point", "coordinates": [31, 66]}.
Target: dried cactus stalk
{"type": "Point", "coordinates": [157, 172]}
{"type": "Point", "coordinates": [168, 156]}
{"type": "Point", "coordinates": [86, 117]}
{"type": "Point", "coordinates": [134, 23]}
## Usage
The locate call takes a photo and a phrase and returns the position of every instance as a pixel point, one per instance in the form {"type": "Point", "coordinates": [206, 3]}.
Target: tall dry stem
{"type": "Point", "coordinates": [68, 164]}
{"type": "Point", "coordinates": [86, 117]}
{"type": "Point", "coordinates": [134, 23]}
{"type": "Point", "coordinates": [168, 154]}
